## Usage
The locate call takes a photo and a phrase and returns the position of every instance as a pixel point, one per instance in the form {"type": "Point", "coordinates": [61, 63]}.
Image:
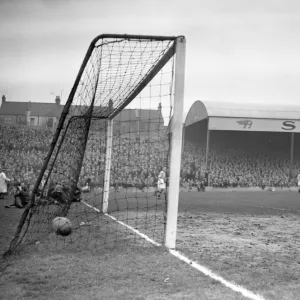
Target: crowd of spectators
{"type": "Point", "coordinates": [23, 150]}
{"type": "Point", "coordinates": [238, 167]}
{"type": "Point", "coordinates": [138, 161]}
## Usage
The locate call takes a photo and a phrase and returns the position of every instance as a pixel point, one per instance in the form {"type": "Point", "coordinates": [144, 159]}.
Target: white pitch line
{"type": "Point", "coordinates": [124, 224]}
{"type": "Point", "coordinates": [92, 207]}
{"type": "Point", "coordinates": [236, 288]}
{"type": "Point", "coordinates": [134, 230]}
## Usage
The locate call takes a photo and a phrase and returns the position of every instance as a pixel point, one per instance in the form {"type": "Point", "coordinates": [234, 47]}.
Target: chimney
{"type": "Point", "coordinates": [160, 117]}
{"type": "Point", "coordinates": [3, 98]}
{"type": "Point", "coordinates": [110, 105]}
{"type": "Point", "coordinates": [159, 107]}
{"type": "Point", "coordinates": [57, 100]}
{"type": "Point", "coordinates": [28, 112]}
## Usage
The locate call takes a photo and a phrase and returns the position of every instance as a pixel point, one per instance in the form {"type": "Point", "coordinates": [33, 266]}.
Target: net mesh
{"type": "Point", "coordinates": [129, 81]}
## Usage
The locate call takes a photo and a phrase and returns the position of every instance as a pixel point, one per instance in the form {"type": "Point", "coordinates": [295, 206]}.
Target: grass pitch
{"type": "Point", "coordinates": [250, 238]}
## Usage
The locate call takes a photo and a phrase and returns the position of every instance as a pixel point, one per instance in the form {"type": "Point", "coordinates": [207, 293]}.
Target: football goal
{"type": "Point", "coordinates": [113, 167]}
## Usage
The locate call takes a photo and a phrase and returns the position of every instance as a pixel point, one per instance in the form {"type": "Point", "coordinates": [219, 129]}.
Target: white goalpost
{"type": "Point", "coordinates": [109, 141]}
{"type": "Point", "coordinates": [176, 145]}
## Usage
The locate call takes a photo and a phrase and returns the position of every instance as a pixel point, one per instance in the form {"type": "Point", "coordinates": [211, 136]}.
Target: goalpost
{"type": "Point", "coordinates": [112, 140]}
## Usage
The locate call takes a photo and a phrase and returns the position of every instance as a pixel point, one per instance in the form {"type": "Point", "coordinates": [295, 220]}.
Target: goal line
{"type": "Point", "coordinates": [124, 224]}
{"type": "Point", "coordinates": [204, 270]}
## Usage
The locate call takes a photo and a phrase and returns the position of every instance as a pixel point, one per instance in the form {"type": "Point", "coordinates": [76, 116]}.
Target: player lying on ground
{"type": "Point", "coordinates": [61, 194]}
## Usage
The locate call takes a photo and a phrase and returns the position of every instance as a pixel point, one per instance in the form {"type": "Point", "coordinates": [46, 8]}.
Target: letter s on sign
{"type": "Point", "coordinates": [288, 125]}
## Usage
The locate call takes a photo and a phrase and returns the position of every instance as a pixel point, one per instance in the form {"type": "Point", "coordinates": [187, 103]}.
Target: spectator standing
{"type": "Point", "coordinates": [3, 185]}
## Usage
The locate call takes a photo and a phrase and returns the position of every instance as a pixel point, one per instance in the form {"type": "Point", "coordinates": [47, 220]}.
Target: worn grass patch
{"type": "Point", "coordinates": [111, 274]}
{"type": "Point", "coordinates": [259, 252]}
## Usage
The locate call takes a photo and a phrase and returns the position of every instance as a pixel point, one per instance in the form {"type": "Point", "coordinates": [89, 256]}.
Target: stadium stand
{"type": "Point", "coordinates": [236, 158]}
{"type": "Point", "coordinates": [242, 144]}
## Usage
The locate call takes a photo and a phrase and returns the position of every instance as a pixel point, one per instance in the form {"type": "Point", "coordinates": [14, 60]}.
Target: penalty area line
{"type": "Point", "coordinates": [207, 272]}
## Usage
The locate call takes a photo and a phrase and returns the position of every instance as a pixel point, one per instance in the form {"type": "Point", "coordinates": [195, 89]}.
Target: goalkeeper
{"type": "Point", "coordinates": [161, 183]}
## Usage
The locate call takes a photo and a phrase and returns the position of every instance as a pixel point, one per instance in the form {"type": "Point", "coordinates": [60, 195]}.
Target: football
{"type": "Point", "coordinates": [62, 226]}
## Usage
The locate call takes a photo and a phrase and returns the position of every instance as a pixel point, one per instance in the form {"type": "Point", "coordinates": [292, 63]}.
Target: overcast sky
{"type": "Point", "coordinates": [237, 50]}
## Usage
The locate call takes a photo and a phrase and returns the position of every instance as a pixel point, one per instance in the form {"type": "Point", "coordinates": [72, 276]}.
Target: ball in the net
{"type": "Point", "coordinates": [62, 226]}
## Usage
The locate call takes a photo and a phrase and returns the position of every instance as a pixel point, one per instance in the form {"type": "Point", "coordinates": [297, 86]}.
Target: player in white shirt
{"type": "Point", "coordinates": [298, 181]}
{"type": "Point", "coordinates": [161, 183]}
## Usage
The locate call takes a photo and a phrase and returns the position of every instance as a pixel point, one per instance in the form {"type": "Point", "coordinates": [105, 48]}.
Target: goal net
{"type": "Point", "coordinates": [111, 143]}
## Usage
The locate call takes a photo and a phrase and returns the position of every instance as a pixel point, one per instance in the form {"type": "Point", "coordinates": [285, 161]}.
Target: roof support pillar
{"type": "Point", "coordinates": [207, 147]}
{"type": "Point", "coordinates": [292, 154]}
